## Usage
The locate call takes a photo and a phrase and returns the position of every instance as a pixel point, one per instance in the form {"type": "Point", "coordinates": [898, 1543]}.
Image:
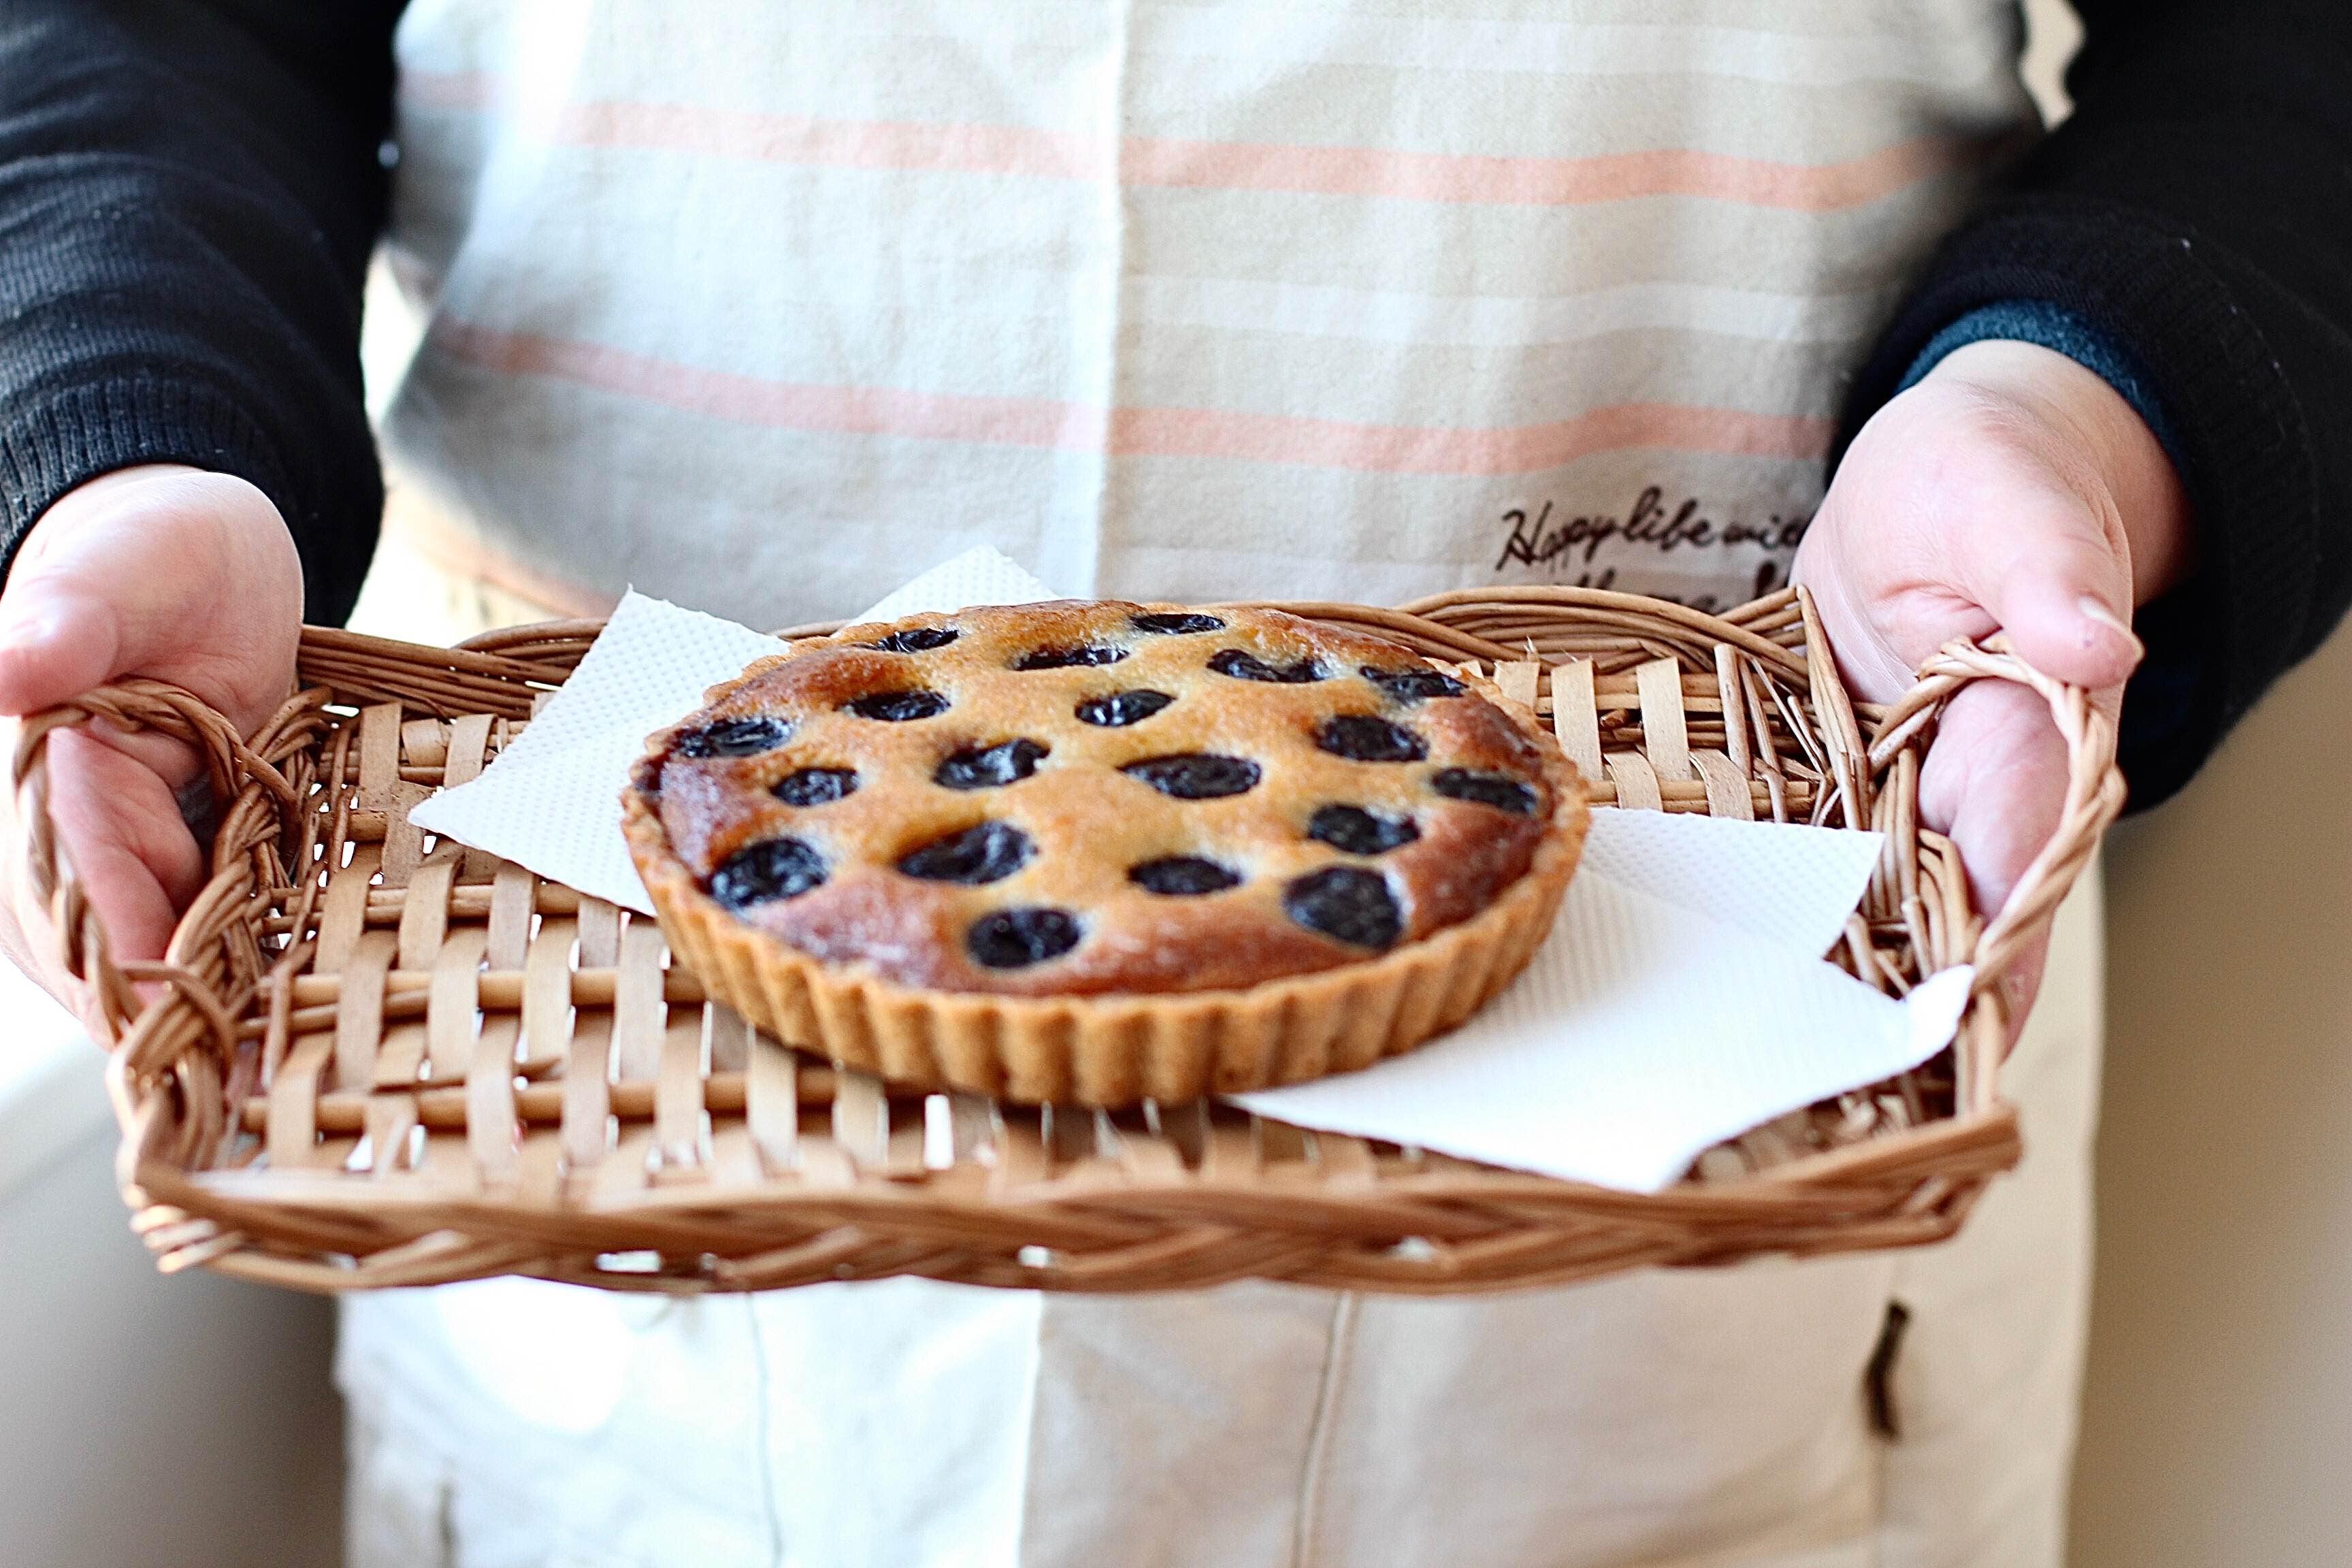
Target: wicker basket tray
{"type": "Point", "coordinates": [373, 1060]}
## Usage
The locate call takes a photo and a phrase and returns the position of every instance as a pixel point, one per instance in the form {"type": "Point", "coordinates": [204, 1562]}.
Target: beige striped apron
{"type": "Point", "coordinates": [764, 308]}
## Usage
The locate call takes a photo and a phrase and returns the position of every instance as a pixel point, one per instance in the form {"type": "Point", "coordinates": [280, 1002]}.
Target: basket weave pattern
{"type": "Point", "coordinates": [370, 1060]}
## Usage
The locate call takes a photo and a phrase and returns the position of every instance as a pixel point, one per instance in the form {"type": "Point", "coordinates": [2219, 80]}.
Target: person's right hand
{"type": "Point", "coordinates": [160, 571]}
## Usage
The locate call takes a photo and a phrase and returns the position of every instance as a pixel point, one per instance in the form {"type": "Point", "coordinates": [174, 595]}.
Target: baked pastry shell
{"type": "Point", "coordinates": [1117, 1050]}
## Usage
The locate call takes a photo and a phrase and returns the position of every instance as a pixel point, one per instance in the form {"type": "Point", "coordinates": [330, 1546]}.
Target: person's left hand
{"type": "Point", "coordinates": [2010, 490]}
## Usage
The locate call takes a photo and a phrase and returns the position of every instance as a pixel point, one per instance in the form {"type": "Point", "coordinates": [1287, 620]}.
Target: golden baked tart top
{"type": "Point", "coordinates": [1087, 797]}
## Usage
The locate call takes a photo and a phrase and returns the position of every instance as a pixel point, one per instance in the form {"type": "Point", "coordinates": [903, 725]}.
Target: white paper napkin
{"type": "Point", "coordinates": [1681, 999]}
{"type": "Point", "coordinates": [1642, 1033]}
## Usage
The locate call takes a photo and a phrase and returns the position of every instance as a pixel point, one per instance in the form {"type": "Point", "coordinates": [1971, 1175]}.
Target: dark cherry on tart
{"type": "Point", "coordinates": [1091, 797]}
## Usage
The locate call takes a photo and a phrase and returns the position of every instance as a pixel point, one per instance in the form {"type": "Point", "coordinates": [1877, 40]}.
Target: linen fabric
{"type": "Point", "coordinates": [1165, 300]}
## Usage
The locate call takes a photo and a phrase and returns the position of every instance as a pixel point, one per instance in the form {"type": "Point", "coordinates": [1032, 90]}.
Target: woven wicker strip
{"type": "Point", "coordinates": [370, 1059]}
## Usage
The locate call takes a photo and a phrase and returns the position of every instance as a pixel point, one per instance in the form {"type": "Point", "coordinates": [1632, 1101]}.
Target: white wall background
{"type": "Point", "coordinates": [2218, 1419]}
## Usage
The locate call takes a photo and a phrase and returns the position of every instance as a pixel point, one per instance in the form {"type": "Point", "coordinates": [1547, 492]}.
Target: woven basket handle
{"type": "Point", "coordinates": [131, 705]}
{"type": "Point", "coordinates": [2094, 786]}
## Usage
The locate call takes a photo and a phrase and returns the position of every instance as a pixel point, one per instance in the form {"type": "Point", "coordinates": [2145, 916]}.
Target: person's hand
{"type": "Point", "coordinates": [2010, 490]}
{"type": "Point", "coordinates": [158, 571]}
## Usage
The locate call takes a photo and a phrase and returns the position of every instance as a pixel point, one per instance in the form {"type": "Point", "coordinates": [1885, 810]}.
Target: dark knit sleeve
{"type": "Point", "coordinates": [189, 193]}
{"type": "Point", "coordinates": [2197, 211]}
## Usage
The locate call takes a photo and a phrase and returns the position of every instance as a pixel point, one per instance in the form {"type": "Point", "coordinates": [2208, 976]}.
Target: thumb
{"type": "Point", "coordinates": [160, 570]}
{"type": "Point", "coordinates": [2052, 577]}
{"type": "Point", "coordinates": [56, 641]}
{"type": "Point", "coordinates": [60, 637]}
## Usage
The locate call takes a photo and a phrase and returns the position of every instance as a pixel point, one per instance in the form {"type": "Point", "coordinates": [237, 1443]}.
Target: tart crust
{"type": "Point", "coordinates": [1203, 995]}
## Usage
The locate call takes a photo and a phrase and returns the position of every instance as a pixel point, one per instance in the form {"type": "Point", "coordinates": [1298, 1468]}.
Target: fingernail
{"type": "Point", "coordinates": [2096, 610]}
{"type": "Point", "coordinates": [24, 629]}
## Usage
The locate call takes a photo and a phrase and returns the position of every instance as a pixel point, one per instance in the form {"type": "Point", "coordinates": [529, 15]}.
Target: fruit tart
{"type": "Point", "coordinates": [1098, 852]}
